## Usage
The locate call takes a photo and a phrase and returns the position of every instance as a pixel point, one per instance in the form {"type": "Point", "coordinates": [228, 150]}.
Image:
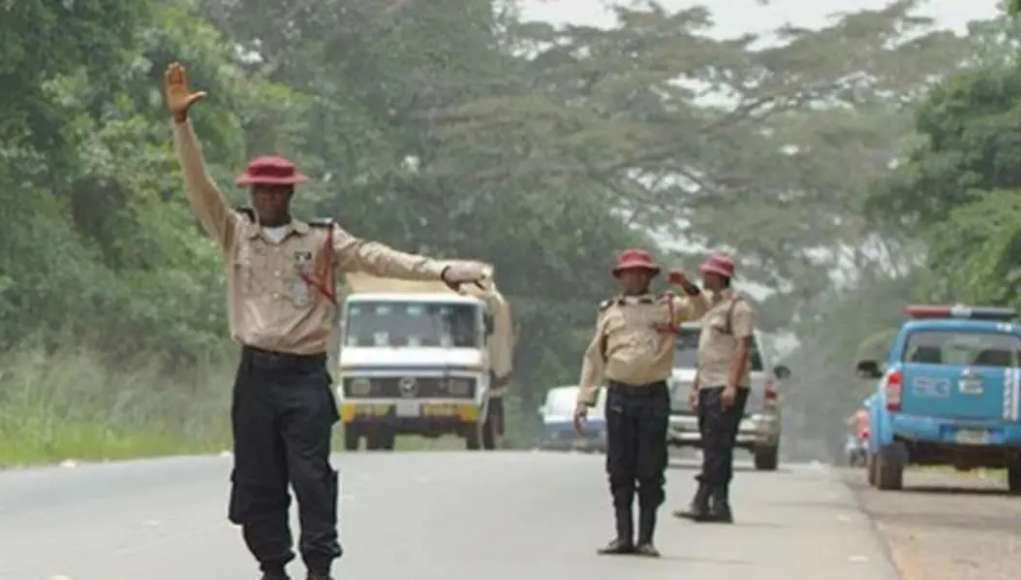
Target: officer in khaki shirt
{"type": "Point", "coordinates": [721, 388]}
{"type": "Point", "coordinates": [280, 275]}
{"type": "Point", "coordinates": [633, 350]}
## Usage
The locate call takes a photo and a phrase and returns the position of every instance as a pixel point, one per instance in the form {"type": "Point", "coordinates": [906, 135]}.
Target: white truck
{"type": "Point", "coordinates": [419, 358]}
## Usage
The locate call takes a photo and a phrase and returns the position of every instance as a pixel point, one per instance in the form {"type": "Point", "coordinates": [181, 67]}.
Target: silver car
{"type": "Point", "coordinates": [760, 427]}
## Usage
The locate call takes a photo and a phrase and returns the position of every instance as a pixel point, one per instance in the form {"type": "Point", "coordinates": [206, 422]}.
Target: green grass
{"type": "Point", "coordinates": [69, 405]}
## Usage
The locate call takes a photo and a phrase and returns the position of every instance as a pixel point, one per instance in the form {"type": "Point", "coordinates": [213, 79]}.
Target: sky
{"type": "Point", "coordinates": [737, 17]}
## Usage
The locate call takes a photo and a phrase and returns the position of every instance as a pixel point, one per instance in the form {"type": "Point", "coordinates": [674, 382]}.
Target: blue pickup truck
{"type": "Point", "coordinates": [949, 393]}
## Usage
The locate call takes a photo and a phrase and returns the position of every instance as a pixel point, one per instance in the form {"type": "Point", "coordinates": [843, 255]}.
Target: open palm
{"type": "Point", "coordinates": [179, 97]}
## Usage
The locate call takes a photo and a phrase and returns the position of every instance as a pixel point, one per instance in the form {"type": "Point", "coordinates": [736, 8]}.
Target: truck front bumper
{"type": "Point", "coordinates": [411, 416]}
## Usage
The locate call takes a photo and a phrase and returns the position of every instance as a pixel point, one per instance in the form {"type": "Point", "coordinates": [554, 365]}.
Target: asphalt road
{"type": "Point", "coordinates": [422, 516]}
{"type": "Point", "coordinates": [946, 525]}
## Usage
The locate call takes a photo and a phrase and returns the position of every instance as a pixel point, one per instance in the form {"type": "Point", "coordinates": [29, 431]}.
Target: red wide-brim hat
{"type": "Point", "coordinates": [718, 264]}
{"type": "Point", "coordinates": [636, 260]}
{"type": "Point", "coordinates": [269, 170]}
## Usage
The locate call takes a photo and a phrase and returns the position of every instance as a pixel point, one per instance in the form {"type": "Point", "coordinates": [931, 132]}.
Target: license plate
{"type": "Point", "coordinates": [970, 386]}
{"type": "Point", "coordinates": [439, 410]}
{"type": "Point", "coordinates": [407, 408]}
{"type": "Point", "coordinates": [972, 436]}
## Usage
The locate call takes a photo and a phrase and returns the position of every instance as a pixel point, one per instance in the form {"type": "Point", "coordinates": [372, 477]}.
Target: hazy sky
{"type": "Point", "coordinates": [736, 17]}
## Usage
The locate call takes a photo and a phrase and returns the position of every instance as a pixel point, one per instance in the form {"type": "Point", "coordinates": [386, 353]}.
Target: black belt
{"type": "Point", "coordinates": [649, 390]}
{"type": "Point", "coordinates": [263, 357]}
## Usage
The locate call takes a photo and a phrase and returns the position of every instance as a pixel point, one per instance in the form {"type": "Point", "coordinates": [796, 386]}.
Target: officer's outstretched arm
{"type": "Point", "coordinates": [356, 255]}
{"type": "Point", "coordinates": [207, 201]}
{"type": "Point", "coordinates": [692, 308]}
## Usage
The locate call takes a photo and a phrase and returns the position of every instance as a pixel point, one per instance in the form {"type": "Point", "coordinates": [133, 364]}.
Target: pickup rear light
{"type": "Point", "coordinates": [894, 386]}
{"type": "Point", "coordinates": [772, 396]}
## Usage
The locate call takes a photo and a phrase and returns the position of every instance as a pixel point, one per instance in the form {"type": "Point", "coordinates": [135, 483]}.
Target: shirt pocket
{"type": "Point", "coordinates": [243, 265]}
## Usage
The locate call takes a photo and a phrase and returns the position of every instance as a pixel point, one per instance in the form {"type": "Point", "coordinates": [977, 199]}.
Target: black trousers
{"type": "Point", "coordinates": [719, 428]}
{"type": "Point", "coordinates": [283, 414]}
{"type": "Point", "coordinates": [636, 458]}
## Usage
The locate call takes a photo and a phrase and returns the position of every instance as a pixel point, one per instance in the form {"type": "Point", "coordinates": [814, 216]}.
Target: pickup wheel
{"type": "Point", "coordinates": [352, 434]}
{"type": "Point", "coordinates": [1014, 477]}
{"type": "Point", "coordinates": [767, 458]}
{"type": "Point", "coordinates": [890, 467]}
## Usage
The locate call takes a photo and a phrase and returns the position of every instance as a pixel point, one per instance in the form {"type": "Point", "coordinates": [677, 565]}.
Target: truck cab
{"type": "Point", "coordinates": [420, 359]}
{"type": "Point", "coordinates": [949, 393]}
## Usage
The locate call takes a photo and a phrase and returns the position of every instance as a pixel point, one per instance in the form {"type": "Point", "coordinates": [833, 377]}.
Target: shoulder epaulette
{"type": "Point", "coordinates": [247, 212]}
{"type": "Point", "coordinates": [322, 222]}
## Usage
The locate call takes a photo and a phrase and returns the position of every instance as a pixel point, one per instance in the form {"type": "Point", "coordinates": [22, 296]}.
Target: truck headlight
{"type": "Point", "coordinates": [459, 387]}
{"type": "Point", "coordinates": [361, 387]}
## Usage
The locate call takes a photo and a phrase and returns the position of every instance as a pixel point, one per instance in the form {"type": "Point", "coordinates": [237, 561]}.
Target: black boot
{"type": "Point", "coordinates": [646, 530]}
{"type": "Point", "coordinates": [719, 512]}
{"type": "Point", "coordinates": [624, 543]}
{"type": "Point", "coordinates": [274, 571]}
{"type": "Point", "coordinates": [699, 507]}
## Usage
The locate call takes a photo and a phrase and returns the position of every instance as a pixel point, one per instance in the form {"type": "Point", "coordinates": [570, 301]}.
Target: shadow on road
{"type": "Point", "coordinates": [738, 468]}
{"type": "Point", "coordinates": [940, 490]}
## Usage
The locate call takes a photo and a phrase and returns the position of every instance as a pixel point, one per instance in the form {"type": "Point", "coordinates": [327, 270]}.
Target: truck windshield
{"type": "Point", "coordinates": [963, 348]}
{"type": "Point", "coordinates": [411, 324]}
{"type": "Point", "coordinates": [686, 355]}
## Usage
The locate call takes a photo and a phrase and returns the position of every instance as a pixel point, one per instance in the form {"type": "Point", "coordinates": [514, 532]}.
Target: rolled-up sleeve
{"type": "Point", "coordinates": [592, 368]}
{"type": "Point", "coordinates": [744, 320]}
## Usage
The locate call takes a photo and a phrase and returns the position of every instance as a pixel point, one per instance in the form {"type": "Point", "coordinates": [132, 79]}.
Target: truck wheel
{"type": "Point", "coordinates": [1014, 477]}
{"type": "Point", "coordinates": [389, 439]}
{"type": "Point", "coordinates": [381, 438]}
{"type": "Point", "coordinates": [767, 458]}
{"type": "Point", "coordinates": [472, 436]}
{"type": "Point", "coordinates": [890, 467]}
{"type": "Point", "coordinates": [351, 436]}
{"type": "Point", "coordinates": [489, 435]}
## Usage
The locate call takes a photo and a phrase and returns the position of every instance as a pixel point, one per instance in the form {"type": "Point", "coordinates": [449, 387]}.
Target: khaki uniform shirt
{"type": "Point", "coordinates": [271, 305]}
{"type": "Point", "coordinates": [628, 348]}
{"type": "Point", "coordinates": [717, 348]}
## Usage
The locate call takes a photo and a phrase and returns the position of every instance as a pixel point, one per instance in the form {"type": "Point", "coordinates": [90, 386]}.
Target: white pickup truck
{"type": "Point", "coordinates": [759, 429]}
{"type": "Point", "coordinates": [418, 358]}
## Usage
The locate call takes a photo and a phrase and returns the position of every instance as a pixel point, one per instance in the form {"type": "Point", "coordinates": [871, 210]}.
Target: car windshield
{"type": "Point", "coordinates": [963, 348]}
{"type": "Point", "coordinates": [686, 355]}
{"type": "Point", "coordinates": [411, 324]}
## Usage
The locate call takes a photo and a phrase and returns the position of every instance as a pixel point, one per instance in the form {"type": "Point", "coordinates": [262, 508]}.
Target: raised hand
{"type": "Point", "coordinates": [179, 97]}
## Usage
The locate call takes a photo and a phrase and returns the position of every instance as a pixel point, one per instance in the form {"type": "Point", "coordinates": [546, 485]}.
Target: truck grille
{"type": "Point", "coordinates": [410, 388]}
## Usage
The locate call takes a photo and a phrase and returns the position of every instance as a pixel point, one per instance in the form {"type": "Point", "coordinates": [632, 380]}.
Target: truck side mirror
{"type": "Point", "coordinates": [869, 369]}
{"type": "Point", "coordinates": [782, 372]}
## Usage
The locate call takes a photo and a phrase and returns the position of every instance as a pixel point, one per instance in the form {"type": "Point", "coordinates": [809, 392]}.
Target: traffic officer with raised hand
{"type": "Point", "coordinates": [633, 350]}
{"type": "Point", "coordinates": [280, 274]}
{"type": "Point", "coordinates": [721, 388]}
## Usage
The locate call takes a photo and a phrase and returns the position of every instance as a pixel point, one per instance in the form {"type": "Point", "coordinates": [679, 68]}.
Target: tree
{"type": "Point", "coordinates": [960, 188]}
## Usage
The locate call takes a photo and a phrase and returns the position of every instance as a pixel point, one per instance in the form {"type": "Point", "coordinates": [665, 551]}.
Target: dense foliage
{"type": "Point", "coordinates": [456, 129]}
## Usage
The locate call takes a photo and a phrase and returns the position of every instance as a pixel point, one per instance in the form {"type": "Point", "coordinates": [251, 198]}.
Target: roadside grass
{"type": "Point", "coordinates": [70, 405]}
{"type": "Point", "coordinates": [59, 404]}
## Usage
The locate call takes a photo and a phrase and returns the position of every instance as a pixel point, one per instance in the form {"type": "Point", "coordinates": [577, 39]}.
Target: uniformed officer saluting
{"type": "Point", "coordinates": [281, 281]}
{"type": "Point", "coordinates": [633, 349]}
{"type": "Point", "coordinates": [721, 388]}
